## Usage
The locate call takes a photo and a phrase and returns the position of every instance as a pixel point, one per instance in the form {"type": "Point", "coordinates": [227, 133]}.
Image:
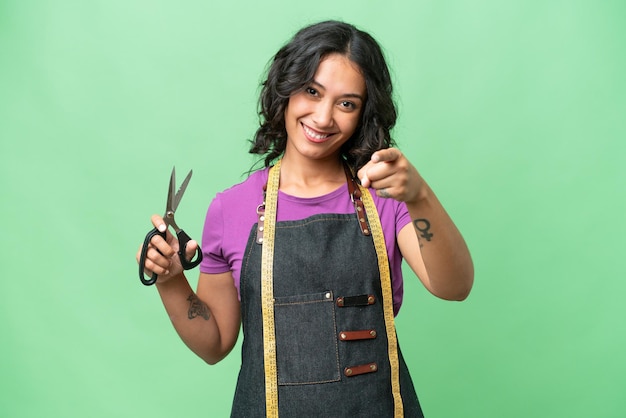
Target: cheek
{"type": "Point", "coordinates": [296, 105]}
{"type": "Point", "coordinates": [351, 122]}
{"type": "Point", "coordinates": [289, 114]}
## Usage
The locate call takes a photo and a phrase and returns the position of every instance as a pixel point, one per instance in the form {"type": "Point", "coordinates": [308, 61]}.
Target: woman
{"type": "Point", "coordinates": [304, 256]}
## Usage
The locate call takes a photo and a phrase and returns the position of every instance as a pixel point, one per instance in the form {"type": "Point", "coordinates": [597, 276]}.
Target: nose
{"type": "Point", "coordinates": [323, 114]}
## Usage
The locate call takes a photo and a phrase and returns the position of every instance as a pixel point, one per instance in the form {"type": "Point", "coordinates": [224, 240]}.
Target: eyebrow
{"type": "Point", "coordinates": [350, 95]}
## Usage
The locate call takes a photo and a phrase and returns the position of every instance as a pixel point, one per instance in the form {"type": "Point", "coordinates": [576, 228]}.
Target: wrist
{"type": "Point", "coordinates": [421, 196]}
{"type": "Point", "coordinates": [166, 281]}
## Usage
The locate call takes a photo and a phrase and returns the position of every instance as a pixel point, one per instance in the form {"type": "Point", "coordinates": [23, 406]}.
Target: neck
{"type": "Point", "coordinates": [311, 178]}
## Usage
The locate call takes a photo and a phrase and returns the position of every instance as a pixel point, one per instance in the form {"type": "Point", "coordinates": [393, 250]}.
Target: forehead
{"type": "Point", "coordinates": [338, 73]}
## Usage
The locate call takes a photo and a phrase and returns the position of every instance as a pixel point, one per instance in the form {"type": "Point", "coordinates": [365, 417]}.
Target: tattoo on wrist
{"type": "Point", "coordinates": [197, 308]}
{"type": "Point", "coordinates": [423, 226]}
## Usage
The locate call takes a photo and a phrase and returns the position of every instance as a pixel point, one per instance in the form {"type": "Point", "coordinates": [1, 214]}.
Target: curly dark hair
{"type": "Point", "coordinates": [294, 67]}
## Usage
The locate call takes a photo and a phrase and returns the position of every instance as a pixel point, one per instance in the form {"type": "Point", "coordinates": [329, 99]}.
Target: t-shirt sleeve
{"type": "Point", "coordinates": [213, 261]}
{"type": "Point", "coordinates": [394, 216]}
{"type": "Point", "coordinates": [402, 217]}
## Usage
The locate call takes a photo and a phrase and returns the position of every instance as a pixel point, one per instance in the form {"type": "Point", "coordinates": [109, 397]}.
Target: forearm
{"type": "Point", "coordinates": [194, 322]}
{"type": "Point", "coordinates": [446, 258]}
{"type": "Point", "coordinates": [432, 246]}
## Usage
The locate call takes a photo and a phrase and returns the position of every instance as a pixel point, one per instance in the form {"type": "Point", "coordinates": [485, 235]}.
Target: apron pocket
{"type": "Point", "coordinates": [306, 339]}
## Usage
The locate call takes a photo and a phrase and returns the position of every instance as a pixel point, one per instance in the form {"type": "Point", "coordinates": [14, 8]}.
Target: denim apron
{"type": "Point", "coordinates": [331, 344]}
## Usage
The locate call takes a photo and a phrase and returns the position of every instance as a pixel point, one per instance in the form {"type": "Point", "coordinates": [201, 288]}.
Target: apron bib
{"type": "Point", "coordinates": [331, 346]}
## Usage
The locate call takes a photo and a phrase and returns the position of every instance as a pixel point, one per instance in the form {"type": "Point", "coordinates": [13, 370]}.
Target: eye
{"type": "Point", "coordinates": [347, 105]}
{"type": "Point", "coordinates": [311, 91]}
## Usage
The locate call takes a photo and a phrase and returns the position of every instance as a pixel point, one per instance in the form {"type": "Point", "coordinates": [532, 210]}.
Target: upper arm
{"type": "Point", "coordinates": [410, 249]}
{"type": "Point", "coordinates": [218, 292]}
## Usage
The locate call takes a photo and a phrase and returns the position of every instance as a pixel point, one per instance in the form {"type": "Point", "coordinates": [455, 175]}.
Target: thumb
{"type": "Point", "coordinates": [190, 250]}
{"type": "Point", "coordinates": [362, 174]}
{"type": "Point", "coordinates": [365, 181]}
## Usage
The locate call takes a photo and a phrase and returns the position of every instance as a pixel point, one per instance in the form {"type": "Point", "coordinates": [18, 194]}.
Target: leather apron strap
{"type": "Point", "coordinates": [364, 206]}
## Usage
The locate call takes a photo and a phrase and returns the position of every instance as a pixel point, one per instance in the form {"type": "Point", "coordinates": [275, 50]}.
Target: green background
{"type": "Point", "coordinates": [514, 112]}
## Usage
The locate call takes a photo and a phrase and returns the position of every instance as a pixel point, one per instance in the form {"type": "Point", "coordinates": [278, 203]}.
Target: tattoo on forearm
{"type": "Point", "coordinates": [423, 226]}
{"type": "Point", "coordinates": [197, 308]}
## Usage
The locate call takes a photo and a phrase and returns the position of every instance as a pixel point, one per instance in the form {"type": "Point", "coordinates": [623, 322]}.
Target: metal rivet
{"type": "Point", "coordinates": [366, 231]}
{"type": "Point", "coordinates": [261, 239]}
{"type": "Point", "coordinates": [370, 300]}
{"type": "Point", "coordinates": [343, 336]}
{"type": "Point", "coordinates": [359, 208]}
{"type": "Point", "coordinates": [372, 367]}
{"type": "Point", "coordinates": [327, 295]}
{"type": "Point", "coordinates": [362, 219]}
{"type": "Point", "coordinates": [262, 218]}
{"type": "Point", "coordinates": [261, 228]}
{"type": "Point", "coordinates": [348, 372]}
{"type": "Point", "coordinates": [373, 333]}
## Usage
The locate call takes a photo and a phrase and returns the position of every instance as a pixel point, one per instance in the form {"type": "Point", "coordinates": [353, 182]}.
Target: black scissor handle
{"type": "Point", "coordinates": [183, 240]}
{"type": "Point", "coordinates": [142, 260]}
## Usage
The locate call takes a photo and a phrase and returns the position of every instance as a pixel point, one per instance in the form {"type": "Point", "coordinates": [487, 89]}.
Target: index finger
{"type": "Point", "coordinates": [388, 155]}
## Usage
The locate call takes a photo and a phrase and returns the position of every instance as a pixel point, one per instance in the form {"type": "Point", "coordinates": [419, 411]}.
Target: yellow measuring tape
{"type": "Point", "coordinates": [267, 295]}
{"type": "Point", "coordinates": [385, 284]}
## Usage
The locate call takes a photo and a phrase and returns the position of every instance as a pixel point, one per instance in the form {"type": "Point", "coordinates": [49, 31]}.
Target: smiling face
{"type": "Point", "coordinates": [322, 117]}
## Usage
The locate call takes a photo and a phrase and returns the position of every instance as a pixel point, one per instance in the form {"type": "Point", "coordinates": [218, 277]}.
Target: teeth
{"type": "Point", "coordinates": [314, 134]}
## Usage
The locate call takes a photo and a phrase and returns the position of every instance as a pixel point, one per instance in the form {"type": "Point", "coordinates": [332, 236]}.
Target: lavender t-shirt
{"type": "Point", "coordinates": [232, 214]}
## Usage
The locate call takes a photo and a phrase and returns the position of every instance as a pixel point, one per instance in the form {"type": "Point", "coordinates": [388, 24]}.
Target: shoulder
{"type": "Point", "coordinates": [252, 186]}
{"type": "Point", "coordinates": [243, 195]}
{"type": "Point", "coordinates": [393, 214]}
{"type": "Point", "coordinates": [239, 201]}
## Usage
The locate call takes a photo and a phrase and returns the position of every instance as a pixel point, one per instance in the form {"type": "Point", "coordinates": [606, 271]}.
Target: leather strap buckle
{"type": "Point", "coordinates": [359, 207]}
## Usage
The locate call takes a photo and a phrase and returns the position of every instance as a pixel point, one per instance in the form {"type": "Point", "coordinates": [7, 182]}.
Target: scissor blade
{"type": "Point", "coordinates": [181, 191]}
{"type": "Point", "coordinates": [170, 191]}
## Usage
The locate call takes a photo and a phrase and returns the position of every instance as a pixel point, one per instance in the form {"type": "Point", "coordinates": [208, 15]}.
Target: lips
{"type": "Point", "coordinates": [315, 136]}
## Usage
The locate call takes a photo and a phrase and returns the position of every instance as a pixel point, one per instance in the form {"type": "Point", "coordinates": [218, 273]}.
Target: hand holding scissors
{"type": "Point", "coordinates": [173, 199]}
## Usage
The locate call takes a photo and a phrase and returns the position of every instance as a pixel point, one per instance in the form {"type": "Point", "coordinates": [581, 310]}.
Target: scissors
{"type": "Point", "coordinates": [173, 199]}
